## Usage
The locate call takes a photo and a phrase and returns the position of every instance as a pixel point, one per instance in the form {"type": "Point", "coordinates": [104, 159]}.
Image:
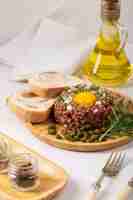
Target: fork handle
{"type": "Point", "coordinates": [124, 195]}
{"type": "Point", "coordinates": [92, 195]}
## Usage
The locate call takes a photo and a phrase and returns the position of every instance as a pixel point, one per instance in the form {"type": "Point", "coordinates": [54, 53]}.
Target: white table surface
{"type": "Point", "coordinates": [82, 167]}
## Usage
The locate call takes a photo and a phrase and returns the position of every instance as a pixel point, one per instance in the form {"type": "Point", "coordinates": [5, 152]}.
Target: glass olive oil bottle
{"type": "Point", "coordinates": [107, 64]}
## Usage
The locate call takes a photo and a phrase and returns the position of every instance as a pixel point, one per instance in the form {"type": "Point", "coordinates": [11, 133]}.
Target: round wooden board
{"type": "Point", "coordinates": [40, 131]}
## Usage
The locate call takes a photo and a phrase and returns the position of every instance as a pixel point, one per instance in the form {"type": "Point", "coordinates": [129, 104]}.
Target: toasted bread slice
{"type": "Point", "coordinates": [30, 108]}
{"type": "Point", "coordinates": [51, 84]}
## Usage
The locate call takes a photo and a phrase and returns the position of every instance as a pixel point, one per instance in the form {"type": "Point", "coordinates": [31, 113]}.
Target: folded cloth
{"type": "Point", "coordinates": [56, 40]}
{"type": "Point", "coordinates": [48, 45]}
{"type": "Point", "coordinates": [16, 49]}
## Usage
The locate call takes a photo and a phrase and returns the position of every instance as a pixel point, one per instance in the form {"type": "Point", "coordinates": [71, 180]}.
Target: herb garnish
{"type": "Point", "coordinates": [121, 125]}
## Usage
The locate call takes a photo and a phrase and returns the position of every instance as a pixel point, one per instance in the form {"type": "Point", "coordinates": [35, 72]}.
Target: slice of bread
{"type": "Point", "coordinates": [30, 107]}
{"type": "Point", "coordinates": [51, 84]}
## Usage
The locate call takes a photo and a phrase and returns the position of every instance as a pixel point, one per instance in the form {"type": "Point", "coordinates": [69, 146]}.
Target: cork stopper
{"type": "Point", "coordinates": [110, 9]}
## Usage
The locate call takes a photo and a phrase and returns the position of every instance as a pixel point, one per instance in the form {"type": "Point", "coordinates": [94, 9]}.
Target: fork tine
{"type": "Point", "coordinates": [118, 159]}
{"type": "Point", "coordinates": [109, 160]}
{"type": "Point", "coordinates": [121, 160]}
{"type": "Point", "coordinates": [114, 160]}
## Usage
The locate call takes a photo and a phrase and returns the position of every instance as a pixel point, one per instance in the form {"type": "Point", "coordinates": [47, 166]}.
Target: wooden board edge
{"type": "Point", "coordinates": [79, 146]}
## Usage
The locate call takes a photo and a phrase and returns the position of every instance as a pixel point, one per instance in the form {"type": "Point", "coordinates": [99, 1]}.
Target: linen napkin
{"type": "Point", "coordinates": [57, 42]}
{"type": "Point", "coordinates": [46, 46]}
{"type": "Point", "coordinates": [60, 38]}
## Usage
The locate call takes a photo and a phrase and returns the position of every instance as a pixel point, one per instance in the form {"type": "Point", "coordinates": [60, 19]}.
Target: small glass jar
{"type": "Point", "coordinates": [23, 172]}
{"type": "Point", "coordinates": [130, 183]}
{"type": "Point", "coordinates": [5, 151]}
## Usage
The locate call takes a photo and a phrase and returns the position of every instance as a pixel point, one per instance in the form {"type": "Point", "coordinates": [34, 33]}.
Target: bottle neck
{"type": "Point", "coordinates": [109, 29]}
{"type": "Point", "coordinates": [109, 36]}
{"type": "Point", "coordinates": [110, 15]}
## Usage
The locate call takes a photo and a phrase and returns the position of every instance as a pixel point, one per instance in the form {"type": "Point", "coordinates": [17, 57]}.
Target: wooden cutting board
{"type": "Point", "coordinates": [41, 132]}
{"type": "Point", "coordinates": [52, 178]}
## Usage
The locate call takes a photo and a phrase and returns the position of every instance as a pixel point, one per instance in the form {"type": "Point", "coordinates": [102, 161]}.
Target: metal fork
{"type": "Point", "coordinates": [111, 169]}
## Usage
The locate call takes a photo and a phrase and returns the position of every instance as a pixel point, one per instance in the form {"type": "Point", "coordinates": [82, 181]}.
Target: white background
{"type": "Point", "coordinates": [83, 168]}
{"type": "Point", "coordinates": [17, 14]}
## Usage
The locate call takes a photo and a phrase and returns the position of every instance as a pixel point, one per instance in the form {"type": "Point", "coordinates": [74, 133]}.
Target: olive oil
{"type": "Point", "coordinates": [107, 64]}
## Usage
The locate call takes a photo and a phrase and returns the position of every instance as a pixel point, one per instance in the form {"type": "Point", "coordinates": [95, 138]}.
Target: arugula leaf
{"type": "Point", "coordinates": [125, 123]}
{"type": "Point", "coordinates": [120, 124]}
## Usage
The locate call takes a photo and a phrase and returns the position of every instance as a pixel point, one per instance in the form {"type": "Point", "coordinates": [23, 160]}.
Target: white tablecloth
{"type": "Point", "coordinates": [27, 54]}
{"type": "Point", "coordinates": [83, 168]}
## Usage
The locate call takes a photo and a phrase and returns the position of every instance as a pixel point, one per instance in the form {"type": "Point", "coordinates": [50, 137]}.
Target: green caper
{"type": "Point", "coordinates": [52, 128]}
{"type": "Point", "coordinates": [70, 137]}
{"type": "Point", "coordinates": [58, 137]}
{"type": "Point", "coordinates": [93, 138]}
{"type": "Point", "coordinates": [52, 131]}
{"type": "Point", "coordinates": [85, 137]}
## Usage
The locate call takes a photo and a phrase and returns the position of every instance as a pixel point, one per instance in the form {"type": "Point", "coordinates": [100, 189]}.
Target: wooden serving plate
{"type": "Point", "coordinates": [41, 132]}
{"type": "Point", "coordinates": [52, 178]}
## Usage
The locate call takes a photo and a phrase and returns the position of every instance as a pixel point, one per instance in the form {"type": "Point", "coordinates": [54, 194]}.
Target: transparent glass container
{"type": "Point", "coordinates": [107, 64]}
{"type": "Point", "coordinates": [23, 172]}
